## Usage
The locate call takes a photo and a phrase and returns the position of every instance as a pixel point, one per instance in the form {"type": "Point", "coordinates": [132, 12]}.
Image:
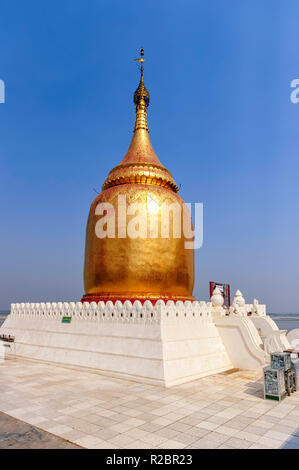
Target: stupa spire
{"type": "Point", "coordinates": [140, 164]}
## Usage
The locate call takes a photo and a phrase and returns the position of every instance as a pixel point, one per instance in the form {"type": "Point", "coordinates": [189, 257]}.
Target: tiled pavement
{"type": "Point", "coordinates": [222, 411]}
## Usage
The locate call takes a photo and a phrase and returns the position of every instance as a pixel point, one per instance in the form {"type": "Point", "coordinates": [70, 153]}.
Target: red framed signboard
{"type": "Point", "coordinates": [224, 289]}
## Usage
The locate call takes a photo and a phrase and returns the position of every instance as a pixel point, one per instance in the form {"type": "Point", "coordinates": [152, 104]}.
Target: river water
{"type": "Point", "coordinates": [286, 321]}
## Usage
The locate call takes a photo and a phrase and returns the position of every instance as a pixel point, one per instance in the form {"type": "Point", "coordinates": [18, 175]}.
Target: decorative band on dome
{"type": "Point", "coordinates": [140, 179]}
{"type": "Point", "coordinates": [140, 174]}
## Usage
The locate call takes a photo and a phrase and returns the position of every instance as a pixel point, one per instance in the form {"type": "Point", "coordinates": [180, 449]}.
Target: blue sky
{"type": "Point", "coordinates": [221, 121]}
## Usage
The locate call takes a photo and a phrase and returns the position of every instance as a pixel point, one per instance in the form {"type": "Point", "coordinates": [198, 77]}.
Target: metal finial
{"type": "Point", "coordinates": [142, 59]}
{"type": "Point", "coordinates": [141, 93]}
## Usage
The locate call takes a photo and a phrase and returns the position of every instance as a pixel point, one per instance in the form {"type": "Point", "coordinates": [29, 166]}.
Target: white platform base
{"type": "Point", "coordinates": [162, 344]}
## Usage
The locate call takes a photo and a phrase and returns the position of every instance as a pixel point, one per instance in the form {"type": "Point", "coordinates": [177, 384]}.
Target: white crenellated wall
{"type": "Point", "coordinates": [163, 343]}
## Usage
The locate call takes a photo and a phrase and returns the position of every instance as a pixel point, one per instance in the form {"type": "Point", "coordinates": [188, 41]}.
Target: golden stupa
{"type": "Point", "coordinates": [141, 268]}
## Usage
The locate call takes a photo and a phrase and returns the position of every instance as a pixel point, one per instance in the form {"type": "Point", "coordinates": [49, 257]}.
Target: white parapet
{"type": "Point", "coordinates": [249, 335]}
{"type": "Point", "coordinates": [273, 338]}
{"type": "Point", "coordinates": [293, 338]}
{"type": "Point", "coordinates": [241, 340]}
{"type": "Point", "coordinates": [2, 351]}
{"type": "Point", "coordinates": [165, 344]}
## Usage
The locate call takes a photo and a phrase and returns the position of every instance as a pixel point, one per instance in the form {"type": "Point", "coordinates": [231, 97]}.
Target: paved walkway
{"type": "Point", "coordinates": [94, 411]}
{"type": "Point", "coordinates": [15, 434]}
